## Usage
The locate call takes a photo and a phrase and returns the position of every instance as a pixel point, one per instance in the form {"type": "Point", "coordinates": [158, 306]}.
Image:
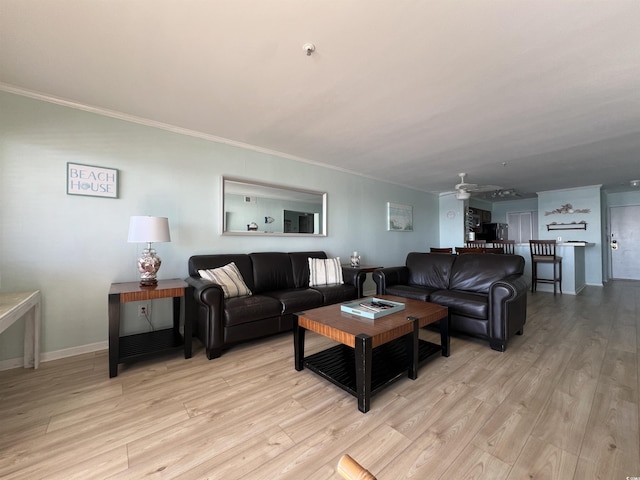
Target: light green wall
{"type": "Point", "coordinates": [72, 247]}
{"type": "Point", "coordinates": [583, 198]}
{"type": "Point", "coordinates": [499, 210]}
{"type": "Point", "coordinates": [452, 220]}
{"type": "Point", "coordinates": [619, 199]}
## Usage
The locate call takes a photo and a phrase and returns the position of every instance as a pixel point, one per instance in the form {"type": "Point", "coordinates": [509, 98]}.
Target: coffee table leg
{"type": "Point", "coordinates": [413, 349]}
{"type": "Point", "coordinates": [298, 345]}
{"type": "Point", "coordinates": [445, 339]}
{"type": "Point", "coordinates": [364, 358]}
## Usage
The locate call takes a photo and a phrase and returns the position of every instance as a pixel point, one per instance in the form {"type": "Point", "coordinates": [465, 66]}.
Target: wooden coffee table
{"type": "Point", "coordinates": [371, 353]}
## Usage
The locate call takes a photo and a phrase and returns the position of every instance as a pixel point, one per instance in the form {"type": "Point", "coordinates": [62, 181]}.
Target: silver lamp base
{"type": "Point", "coordinates": [148, 266]}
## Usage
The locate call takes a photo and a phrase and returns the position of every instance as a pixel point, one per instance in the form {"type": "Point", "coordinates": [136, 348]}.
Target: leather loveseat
{"type": "Point", "coordinates": [486, 293]}
{"type": "Point", "coordinates": [279, 283]}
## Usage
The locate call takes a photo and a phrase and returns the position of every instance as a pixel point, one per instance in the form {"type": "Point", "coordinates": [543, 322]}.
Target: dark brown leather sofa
{"type": "Point", "coordinates": [280, 286]}
{"type": "Point", "coordinates": [486, 293]}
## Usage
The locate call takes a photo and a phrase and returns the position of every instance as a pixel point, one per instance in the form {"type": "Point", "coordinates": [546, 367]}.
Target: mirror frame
{"type": "Point", "coordinates": [284, 188]}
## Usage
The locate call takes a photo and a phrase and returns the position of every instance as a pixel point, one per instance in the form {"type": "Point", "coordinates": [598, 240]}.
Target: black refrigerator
{"type": "Point", "coordinates": [492, 232]}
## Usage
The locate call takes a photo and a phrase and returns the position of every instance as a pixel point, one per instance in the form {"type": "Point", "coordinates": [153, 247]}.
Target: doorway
{"type": "Point", "coordinates": [523, 226]}
{"type": "Point", "coordinates": [298, 222]}
{"type": "Point", "coordinates": [624, 223]}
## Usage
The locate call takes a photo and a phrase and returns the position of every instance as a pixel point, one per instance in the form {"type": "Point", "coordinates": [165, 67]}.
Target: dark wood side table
{"type": "Point", "coordinates": [363, 268]}
{"type": "Point", "coordinates": [142, 344]}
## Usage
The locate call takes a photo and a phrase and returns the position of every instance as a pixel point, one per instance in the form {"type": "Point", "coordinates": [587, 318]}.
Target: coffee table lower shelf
{"type": "Point", "coordinates": [337, 364]}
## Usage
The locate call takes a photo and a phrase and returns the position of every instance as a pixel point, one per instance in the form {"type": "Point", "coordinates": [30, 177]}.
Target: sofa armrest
{"type": "Point", "coordinates": [209, 313]}
{"type": "Point", "coordinates": [514, 284]}
{"type": "Point", "coordinates": [205, 292]}
{"type": "Point", "coordinates": [385, 277]}
{"type": "Point", "coordinates": [507, 306]}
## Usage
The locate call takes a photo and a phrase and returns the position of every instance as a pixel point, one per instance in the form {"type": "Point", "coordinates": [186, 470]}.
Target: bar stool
{"type": "Point", "coordinates": [476, 244]}
{"type": "Point", "coordinates": [544, 251]}
{"type": "Point", "coordinates": [441, 250]}
{"type": "Point", "coordinates": [509, 246]}
{"type": "Point", "coordinates": [461, 250]}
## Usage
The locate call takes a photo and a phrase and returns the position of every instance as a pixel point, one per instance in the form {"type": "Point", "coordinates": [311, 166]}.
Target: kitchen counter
{"type": "Point", "coordinates": [573, 266]}
{"type": "Point", "coordinates": [563, 244]}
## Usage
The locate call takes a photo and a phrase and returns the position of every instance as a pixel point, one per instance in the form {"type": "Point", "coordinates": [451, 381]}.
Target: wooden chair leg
{"type": "Point", "coordinates": [560, 277]}
{"type": "Point", "coordinates": [534, 276]}
{"type": "Point", "coordinates": [352, 470]}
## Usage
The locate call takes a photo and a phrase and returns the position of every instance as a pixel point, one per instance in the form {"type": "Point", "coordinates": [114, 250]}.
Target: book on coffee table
{"type": "Point", "coordinates": [372, 307]}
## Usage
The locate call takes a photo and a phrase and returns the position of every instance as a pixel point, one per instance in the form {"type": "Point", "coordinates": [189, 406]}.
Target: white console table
{"type": "Point", "coordinates": [16, 305]}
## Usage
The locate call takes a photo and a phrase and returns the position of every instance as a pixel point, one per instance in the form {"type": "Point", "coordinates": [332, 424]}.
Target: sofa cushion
{"type": "Point", "coordinates": [271, 271]}
{"type": "Point", "coordinates": [416, 292]}
{"type": "Point", "coordinates": [229, 278]}
{"type": "Point", "coordinates": [242, 261]}
{"type": "Point", "coordinates": [477, 327]}
{"type": "Point", "coordinates": [296, 299]}
{"type": "Point", "coordinates": [239, 310]}
{"type": "Point", "coordinates": [430, 270]}
{"type": "Point", "coordinates": [327, 271]}
{"type": "Point", "coordinates": [475, 272]}
{"type": "Point", "coordinates": [336, 293]}
{"type": "Point", "coordinates": [475, 305]}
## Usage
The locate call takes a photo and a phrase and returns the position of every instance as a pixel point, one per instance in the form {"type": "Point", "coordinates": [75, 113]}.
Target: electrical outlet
{"type": "Point", "coordinates": [143, 310]}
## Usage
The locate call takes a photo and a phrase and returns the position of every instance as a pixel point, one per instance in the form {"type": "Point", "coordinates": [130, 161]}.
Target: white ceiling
{"type": "Point", "coordinates": [534, 95]}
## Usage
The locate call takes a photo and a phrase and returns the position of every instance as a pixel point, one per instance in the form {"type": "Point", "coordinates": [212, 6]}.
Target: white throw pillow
{"type": "Point", "coordinates": [229, 278]}
{"type": "Point", "coordinates": [325, 271]}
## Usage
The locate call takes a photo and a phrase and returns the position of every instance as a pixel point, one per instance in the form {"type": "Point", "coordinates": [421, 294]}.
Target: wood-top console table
{"type": "Point", "coordinates": [143, 344]}
{"type": "Point", "coordinates": [15, 305]}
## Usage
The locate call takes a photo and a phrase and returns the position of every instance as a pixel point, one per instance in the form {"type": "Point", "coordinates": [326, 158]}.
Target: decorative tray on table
{"type": "Point", "coordinates": [372, 307]}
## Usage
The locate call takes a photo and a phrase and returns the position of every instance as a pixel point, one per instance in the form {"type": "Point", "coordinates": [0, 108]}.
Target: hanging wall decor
{"type": "Point", "coordinates": [399, 217]}
{"type": "Point", "coordinates": [92, 181]}
{"type": "Point", "coordinates": [568, 209]}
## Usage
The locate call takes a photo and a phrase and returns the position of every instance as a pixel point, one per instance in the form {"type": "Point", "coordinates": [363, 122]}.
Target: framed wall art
{"type": "Point", "coordinates": [92, 181]}
{"type": "Point", "coordinates": [399, 217]}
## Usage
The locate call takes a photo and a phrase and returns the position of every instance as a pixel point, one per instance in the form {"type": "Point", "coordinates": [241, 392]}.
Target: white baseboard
{"type": "Point", "coordinates": [56, 355]}
{"type": "Point", "coordinates": [11, 363]}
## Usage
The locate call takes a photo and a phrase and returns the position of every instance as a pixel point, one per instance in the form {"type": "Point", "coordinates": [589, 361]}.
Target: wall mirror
{"type": "Point", "coordinates": [258, 208]}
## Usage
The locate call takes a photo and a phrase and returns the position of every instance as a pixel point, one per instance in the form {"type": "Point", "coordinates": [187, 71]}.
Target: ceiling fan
{"type": "Point", "coordinates": [509, 192]}
{"type": "Point", "coordinates": [464, 189]}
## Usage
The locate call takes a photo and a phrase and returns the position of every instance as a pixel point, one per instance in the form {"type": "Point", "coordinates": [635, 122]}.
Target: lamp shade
{"type": "Point", "coordinates": [145, 229]}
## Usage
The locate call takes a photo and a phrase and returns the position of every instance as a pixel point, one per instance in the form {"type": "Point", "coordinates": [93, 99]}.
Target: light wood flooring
{"type": "Point", "coordinates": [560, 403]}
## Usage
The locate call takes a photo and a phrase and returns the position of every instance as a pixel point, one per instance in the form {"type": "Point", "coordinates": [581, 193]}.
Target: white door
{"type": "Point", "coordinates": [523, 226]}
{"type": "Point", "coordinates": [625, 242]}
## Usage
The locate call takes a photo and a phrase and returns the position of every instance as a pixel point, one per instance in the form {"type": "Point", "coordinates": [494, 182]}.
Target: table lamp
{"type": "Point", "coordinates": [144, 229]}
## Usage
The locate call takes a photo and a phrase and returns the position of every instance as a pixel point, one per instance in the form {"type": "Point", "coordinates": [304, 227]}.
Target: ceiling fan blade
{"type": "Point", "coordinates": [464, 185]}
{"type": "Point", "coordinates": [484, 188]}
{"type": "Point", "coordinates": [462, 194]}
{"type": "Point", "coordinates": [473, 187]}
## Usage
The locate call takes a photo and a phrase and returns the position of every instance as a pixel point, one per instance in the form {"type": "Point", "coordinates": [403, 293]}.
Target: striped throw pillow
{"type": "Point", "coordinates": [229, 278]}
{"type": "Point", "coordinates": [325, 271]}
